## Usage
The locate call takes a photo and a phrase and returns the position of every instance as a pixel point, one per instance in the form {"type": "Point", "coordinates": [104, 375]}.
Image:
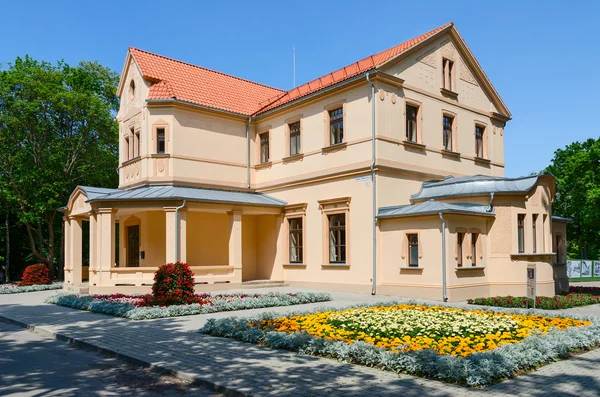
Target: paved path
{"type": "Point", "coordinates": [252, 370]}
{"type": "Point", "coordinates": [34, 365]}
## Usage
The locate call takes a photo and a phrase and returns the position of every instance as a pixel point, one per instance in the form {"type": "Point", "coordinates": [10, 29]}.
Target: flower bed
{"type": "Point", "coordinates": [541, 302]}
{"type": "Point", "coordinates": [473, 347]}
{"type": "Point", "coordinates": [141, 307]}
{"type": "Point", "coordinates": [16, 289]}
{"type": "Point", "coordinates": [585, 290]}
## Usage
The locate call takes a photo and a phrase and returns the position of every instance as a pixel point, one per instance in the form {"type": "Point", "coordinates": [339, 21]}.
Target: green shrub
{"type": "Point", "coordinates": [173, 285]}
{"type": "Point", "coordinates": [542, 302]}
{"type": "Point", "coordinates": [37, 274]}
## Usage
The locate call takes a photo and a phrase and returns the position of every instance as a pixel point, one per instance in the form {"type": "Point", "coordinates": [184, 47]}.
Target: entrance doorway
{"type": "Point", "coordinates": [133, 246]}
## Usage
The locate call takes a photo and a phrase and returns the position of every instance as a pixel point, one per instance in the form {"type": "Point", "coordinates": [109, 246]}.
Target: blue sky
{"type": "Point", "coordinates": [542, 56]}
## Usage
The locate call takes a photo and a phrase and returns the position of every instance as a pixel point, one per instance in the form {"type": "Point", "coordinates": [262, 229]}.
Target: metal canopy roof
{"type": "Point", "coordinates": [561, 219]}
{"type": "Point", "coordinates": [95, 192]}
{"type": "Point", "coordinates": [148, 193]}
{"type": "Point", "coordinates": [433, 207]}
{"type": "Point", "coordinates": [474, 185]}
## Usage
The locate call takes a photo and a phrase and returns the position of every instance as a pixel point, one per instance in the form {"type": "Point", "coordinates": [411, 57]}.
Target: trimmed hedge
{"type": "Point", "coordinates": [224, 302]}
{"type": "Point", "coordinates": [16, 289]}
{"type": "Point", "coordinates": [476, 370]}
{"type": "Point", "coordinates": [542, 302]}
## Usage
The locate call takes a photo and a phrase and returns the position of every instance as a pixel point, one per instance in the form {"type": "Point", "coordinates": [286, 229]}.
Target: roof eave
{"type": "Point", "coordinates": [179, 198]}
{"type": "Point", "coordinates": [322, 91]}
{"type": "Point", "coordinates": [428, 213]}
{"type": "Point", "coordinates": [171, 101]}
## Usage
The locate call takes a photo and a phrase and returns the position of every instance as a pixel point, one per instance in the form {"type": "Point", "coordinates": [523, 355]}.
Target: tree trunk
{"type": "Point", "coordinates": [50, 223]}
{"type": "Point", "coordinates": [7, 268]}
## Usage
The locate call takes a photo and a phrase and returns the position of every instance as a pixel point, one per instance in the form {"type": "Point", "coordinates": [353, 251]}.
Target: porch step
{"type": "Point", "coordinates": [263, 284]}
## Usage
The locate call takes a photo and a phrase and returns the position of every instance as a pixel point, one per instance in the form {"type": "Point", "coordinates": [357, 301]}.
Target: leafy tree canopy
{"type": "Point", "coordinates": [57, 131]}
{"type": "Point", "coordinates": [577, 172]}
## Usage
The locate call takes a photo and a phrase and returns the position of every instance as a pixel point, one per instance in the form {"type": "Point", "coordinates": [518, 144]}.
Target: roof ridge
{"type": "Point", "coordinates": [207, 69]}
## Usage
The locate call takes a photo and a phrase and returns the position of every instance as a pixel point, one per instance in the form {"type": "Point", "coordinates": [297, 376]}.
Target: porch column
{"type": "Point", "coordinates": [235, 243]}
{"type": "Point", "coordinates": [93, 248]}
{"type": "Point", "coordinates": [106, 254]}
{"type": "Point", "coordinates": [67, 259]}
{"type": "Point", "coordinates": [75, 252]}
{"type": "Point", "coordinates": [170, 235]}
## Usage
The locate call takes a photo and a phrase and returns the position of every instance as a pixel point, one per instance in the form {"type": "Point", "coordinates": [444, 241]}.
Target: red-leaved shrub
{"type": "Point", "coordinates": [173, 285]}
{"type": "Point", "coordinates": [35, 275]}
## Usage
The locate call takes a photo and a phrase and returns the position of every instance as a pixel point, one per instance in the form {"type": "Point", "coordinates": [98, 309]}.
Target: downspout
{"type": "Point", "coordinates": [444, 296]}
{"type": "Point", "coordinates": [490, 208]}
{"type": "Point", "coordinates": [177, 230]}
{"type": "Point", "coordinates": [248, 152]}
{"type": "Point", "coordinates": [374, 186]}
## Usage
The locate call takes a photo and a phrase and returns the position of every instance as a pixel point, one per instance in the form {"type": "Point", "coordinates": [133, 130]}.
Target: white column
{"type": "Point", "coordinates": [76, 253]}
{"type": "Point", "coordinates": [170, 234]}
{"type": "Point", "coordinates": [106, 257]}
{"type": "Point", "coordinates": [67, 259]}
{"type": "Point", "coordinates": [93, 248]}
{"type": "Point", "coordinates": [235, 243]}
{"type": "Point", "coordinates": [182, 235]}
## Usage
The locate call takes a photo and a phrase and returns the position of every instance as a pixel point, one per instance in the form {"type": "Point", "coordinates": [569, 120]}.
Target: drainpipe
{"type": "Point", "coordinates": [444, 296]}
{"type": "Point", "coordinates": [177, 231]}
{"type": "Point", "coordinates": [374, 186]}
{"type": "Point", "coordinates": [248, 152]}
{"type": "Point", "coordinates": [490, 208]}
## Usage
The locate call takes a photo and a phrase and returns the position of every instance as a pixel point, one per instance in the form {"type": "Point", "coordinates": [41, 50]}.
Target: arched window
{"type": "Point", "coordinates": [131, 90]}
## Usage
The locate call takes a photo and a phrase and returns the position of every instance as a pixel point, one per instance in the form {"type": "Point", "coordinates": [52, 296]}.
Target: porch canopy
{"type": "Point", "coordinates": [153, 223]}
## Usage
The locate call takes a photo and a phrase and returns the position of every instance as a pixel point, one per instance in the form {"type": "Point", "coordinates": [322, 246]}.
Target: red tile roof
{"type": "Point", "coordinates": [195, 84]}
{"type": "Point", "coordinates": [190, 83]}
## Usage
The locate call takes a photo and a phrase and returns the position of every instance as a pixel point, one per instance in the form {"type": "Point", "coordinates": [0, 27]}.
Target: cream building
{"type": "Point", "coordinates": [385, 176]}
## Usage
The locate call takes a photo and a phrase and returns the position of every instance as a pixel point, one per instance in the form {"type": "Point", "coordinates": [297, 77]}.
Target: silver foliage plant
{"type": "Point", "coordinates": [15, 289]}
{"type": "Point", "coordinates": [476, 370]}
{"type": "Point", "coordinates": [127, 310]}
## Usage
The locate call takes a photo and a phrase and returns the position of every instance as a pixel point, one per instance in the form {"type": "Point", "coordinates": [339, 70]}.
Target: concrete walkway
{"type": "Point", "coordinates": [245, 369]}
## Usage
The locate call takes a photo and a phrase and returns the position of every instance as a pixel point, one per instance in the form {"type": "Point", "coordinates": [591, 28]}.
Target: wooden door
{"type": "Point", "coordinates": [133, 246]}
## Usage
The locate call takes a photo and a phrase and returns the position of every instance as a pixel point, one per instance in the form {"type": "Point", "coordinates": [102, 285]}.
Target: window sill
{"type": "Point", "coordinates": [482, 161]}
{"type": "Point", "coordinates": [541, 254]}
{"type": "Point", "coordinates": [262, 166]}
{"type": "Point", "coordinates": [411, 268]}
{"type": "Point", "coordinates": [295, 157]}
{"type": "Point", "coordinates": [448, 93]}
{"type": "Point", "coordinates": [336, 265]}
{"type": "Point", "coordinates": [334, 148]}
{"type": "Point", "coordinates": [414, 145]}
{"type": "Point", "coordinates": [160, 155]}
{"type": "Point", "coordinates": [294, 265]}
{"type": "Point", "coordinates": [130, 161]}
{"type": "Point", "coordinates": [467, 268]}
{"type": "Point", "coordinates": [450, 153]}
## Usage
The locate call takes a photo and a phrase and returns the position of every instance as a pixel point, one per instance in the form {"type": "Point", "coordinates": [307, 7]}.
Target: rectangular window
{"type": "Point", "coordinates": [534, 230]}
{"type": "Point", "coordinates": [126, 149]}
{"type": "Point", "coordinates": [160, 140]}
{"type": "Point", "coordinates": [138, 144]}
{"type": "Point", "coordinates": [336, 126]}
{"type": "Point", "coordinates": [295, 240]}
{"type": "Point", "coordinates": [295, 147]}
{"type": "Point", "coordinates": [558, 248]}
{"type": "Point", "coordinates": [479, 131]}
{"type": "Point", "coordinates": [474, 237]}
{"type": "Point", "coordinates": [459, 248]}
{"type": "Point", "coordinates": [411, 123]}
{"type": "Point", "coordinates": [448, 69]}
{"type": "Point", "coordinates": [337, 238]}
{"type": "Point", "coordinates": [264, 147]}
{"type": "Point", "coordinates": [448, 120]}
{"type": "Point", "coordinates": [413, 250]}
{"type": "Point", "coordinates": [521, 232]}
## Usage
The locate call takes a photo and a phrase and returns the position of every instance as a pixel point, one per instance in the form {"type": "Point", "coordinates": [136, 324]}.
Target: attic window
{"type": "Point", "coordinates": [448, 69]}
{"type": "Point", "coordinates": [131, 90]}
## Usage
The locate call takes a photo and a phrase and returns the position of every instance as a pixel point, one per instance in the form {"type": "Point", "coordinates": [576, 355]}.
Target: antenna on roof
{"type": "Point", "coordinates": [294, 61]}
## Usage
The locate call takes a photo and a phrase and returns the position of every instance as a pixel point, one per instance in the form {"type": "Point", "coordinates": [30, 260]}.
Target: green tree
{"type": "Point", "coordinates": [57, 131]}
{"type": "Point", "coordinates": [577, 172]}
